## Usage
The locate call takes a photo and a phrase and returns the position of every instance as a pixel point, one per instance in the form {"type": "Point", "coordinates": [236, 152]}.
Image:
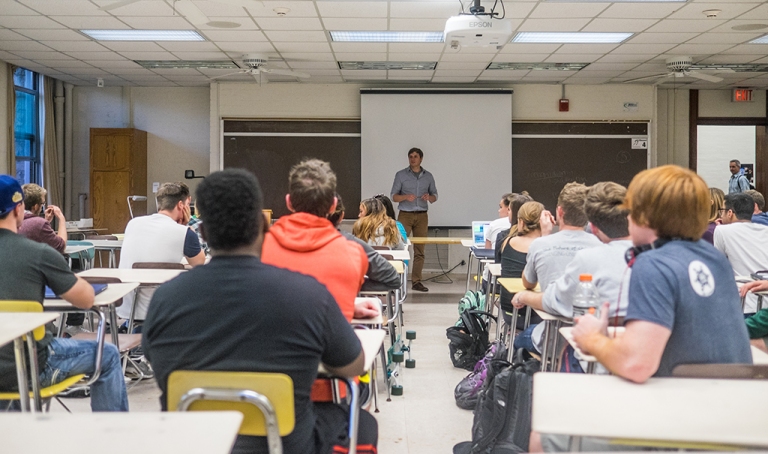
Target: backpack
{"type": "Point", "coordinates": [502, 422]}
{"type": "Point", "coordinates": [467, 391]}
{"type": "Point", "coordinates": [471, 301]}
{"type": "Point", "coordinates": [469, 339]}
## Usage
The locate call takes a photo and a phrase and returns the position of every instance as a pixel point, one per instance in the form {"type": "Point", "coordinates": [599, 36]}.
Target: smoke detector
{"type": "Point", "coordinates": [712, 13]}
{"type": "Point", "coordinates": [281, 11]}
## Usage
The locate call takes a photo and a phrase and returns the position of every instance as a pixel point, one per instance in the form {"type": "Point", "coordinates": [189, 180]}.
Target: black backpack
{"type": "Point", "coordinates": [468, 390]}
{"type": "Point", "coordinates": [502, 422]}
{"type": "Point", "coordinates": [469, 340]}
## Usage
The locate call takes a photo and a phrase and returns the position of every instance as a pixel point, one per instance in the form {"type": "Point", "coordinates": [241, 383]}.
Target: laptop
{"type": "Point", "coordinates": [478, 232]}
{"type": "Point", "coordinates": [50, 295]}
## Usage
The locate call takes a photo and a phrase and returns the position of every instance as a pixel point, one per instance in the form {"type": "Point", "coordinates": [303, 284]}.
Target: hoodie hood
{"type": "Point", "coordinates": [303, 232]}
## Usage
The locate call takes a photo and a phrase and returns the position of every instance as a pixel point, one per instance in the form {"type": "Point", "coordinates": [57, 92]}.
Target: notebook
{"type": "Point", "coordinates": [478, 232]}
{"type": "Point", "coordinates": [97, 288]}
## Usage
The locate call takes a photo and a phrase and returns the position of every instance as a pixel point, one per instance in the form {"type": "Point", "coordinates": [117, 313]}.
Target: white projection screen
{"type": "Point", "coordinates": [466, 139]}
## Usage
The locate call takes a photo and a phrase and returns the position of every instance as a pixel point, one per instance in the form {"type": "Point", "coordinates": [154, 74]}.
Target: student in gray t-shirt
{"type": "Point", "coordinates": [549, 255]}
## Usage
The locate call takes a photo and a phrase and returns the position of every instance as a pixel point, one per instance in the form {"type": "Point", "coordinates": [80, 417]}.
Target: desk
{"type": "Point", "coordinates": [437, 240]}
{"type": "Point", "coordinates": [71, 250]}
{"type": "Point", "coordinates": [13, 326]}
{"type": "Point", "coordinates": [552, 324]}
{"type": "Point", "coordinates": [567, 333]}
{"type": "Point", "coordinates": [396, 254]}
{"type": "Point", "coordinates": [515, 285]}
{"type": "Point", "coordinates": [188, 432]}
{"type": "Point", "coordinates": [758, 356]}
{"type": "Point", "coordinates": [140, 276]}
{"type": "Point", "coordinates": [107, 245]}
{"type": "Point", "coordinates": [377, 321]}
{"type": "Point", "coordinates": [724, 413]}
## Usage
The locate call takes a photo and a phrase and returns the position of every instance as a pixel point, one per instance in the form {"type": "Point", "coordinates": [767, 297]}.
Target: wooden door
{"type": "Point", "coordinates": [108, 200]}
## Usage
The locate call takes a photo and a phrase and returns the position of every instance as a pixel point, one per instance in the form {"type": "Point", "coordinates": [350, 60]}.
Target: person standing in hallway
{"type": "Point", "coordinates": [738, 182]}
{"type": "Point", "coordinates": [414, 189]}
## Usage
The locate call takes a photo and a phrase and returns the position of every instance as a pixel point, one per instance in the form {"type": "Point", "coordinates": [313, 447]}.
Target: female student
{"type": "Point", "coordinates": [514, 248]}
{"type": "Point", "coordinates": [391, 213]}
{"type": "Point", "coordinates": [375, 227]}
{"type": "Point", "coordinates": [717, 198]}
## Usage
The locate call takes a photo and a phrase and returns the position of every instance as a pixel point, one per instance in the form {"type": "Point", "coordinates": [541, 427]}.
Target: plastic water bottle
{"type": "Point", "coordinates": [586, 300]}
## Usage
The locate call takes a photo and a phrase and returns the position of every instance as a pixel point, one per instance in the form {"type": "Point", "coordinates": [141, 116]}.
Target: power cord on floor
{"type": "Point", "coordinates": [444, 273]}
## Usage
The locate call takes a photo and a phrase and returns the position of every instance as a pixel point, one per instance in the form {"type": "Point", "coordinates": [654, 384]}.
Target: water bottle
{"type": "Point", "coordinates": [586, 300]}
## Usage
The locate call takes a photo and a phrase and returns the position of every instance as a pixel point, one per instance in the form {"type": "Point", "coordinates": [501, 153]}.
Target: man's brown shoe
{"type": "Point", "coordinates": [419, 287]}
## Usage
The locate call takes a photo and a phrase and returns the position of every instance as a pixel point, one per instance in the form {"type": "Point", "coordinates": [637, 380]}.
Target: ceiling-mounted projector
{"type": "Point", "coordinates": [477, 29]}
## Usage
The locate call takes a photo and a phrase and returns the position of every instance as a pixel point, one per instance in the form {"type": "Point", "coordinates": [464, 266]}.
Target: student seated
{"type": "Point", "coordinates": [606, 262]}
{"type": "Point", "coordinates": [759, 216]}
{"type": "Point", "coordinates": [375, 227]}
{"type": "Point", "coordinates": [717, 198]}
{"type": "Point", "coordinates": [267, 319]}
{"type": "Point", "coordinates": [549, 255]}
{"type": "Point", "coordinates": [391, 214]}
{"type": "Point", "coordinates": [381, 274]}
{"type": "Point", "coordinates": [678, 284]}
{"type": "Point", "coordinates": [757, 325]}
{"type": "Point", "coordinates": [498, 225]}
{"type": "Point", "coordinates": [26, 267]}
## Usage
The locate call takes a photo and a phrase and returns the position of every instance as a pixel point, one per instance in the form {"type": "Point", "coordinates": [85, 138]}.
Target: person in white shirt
{"type": "Point", "coordinates": [500, 224]}
{"type": "Point", "coordinates": [742, 241]}
{"type": "Point", "coordinates": [160, 237]}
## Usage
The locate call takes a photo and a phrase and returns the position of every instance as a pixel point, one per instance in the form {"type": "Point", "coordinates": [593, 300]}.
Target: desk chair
{"type": "Point", "coordinates": [264, 399]}
{"type": "Point", "coordinates": [91, 236]}
{"type": "Point", "coordinates": [50, 391]}
{"type": "Point", "coordinates": [722, 371]}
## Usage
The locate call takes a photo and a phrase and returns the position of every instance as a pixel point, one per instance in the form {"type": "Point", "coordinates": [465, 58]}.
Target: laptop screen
{"type": "Point", "coordinates": [478, 232]}
{"type": "Point", "coordinates": [97, 288]}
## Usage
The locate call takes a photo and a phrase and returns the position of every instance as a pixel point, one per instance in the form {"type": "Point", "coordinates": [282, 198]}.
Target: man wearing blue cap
{"type": "Point", "coordinates": [26, 267]}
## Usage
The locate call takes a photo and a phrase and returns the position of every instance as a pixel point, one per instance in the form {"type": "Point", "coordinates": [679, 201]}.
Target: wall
{"type": "Point", "coordinates": [717, 145]}
{"type": "Point", "coordinates": [717, 103]}
{"type": "Point", "coordinates": [671, 128]}
{"type": "Point", "coordinates": [176, 121]}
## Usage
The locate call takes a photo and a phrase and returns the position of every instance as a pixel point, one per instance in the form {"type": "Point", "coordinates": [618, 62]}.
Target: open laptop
{"type": "Point", "coordinates": [97, 288]}
{"type": "Point", "coordinates": [478, 232]}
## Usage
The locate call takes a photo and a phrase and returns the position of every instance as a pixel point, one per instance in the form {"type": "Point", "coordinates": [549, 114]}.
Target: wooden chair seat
{"type": "Point", "coordinates": [158, 266]}
{"type": "Point", "coordinates": [127, 341]}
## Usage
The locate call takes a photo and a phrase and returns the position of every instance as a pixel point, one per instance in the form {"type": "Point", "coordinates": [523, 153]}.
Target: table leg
{"type": "Point", "coordinates": [469, 269]}
{"type": "Point", "coordinates": [545, 350]}
{"type": "Point", "coordinates": [575, 445]}
{"type": "Point", "coordinates": [34, 373]}
{"type": "Point", "coordinates": [21, 373]}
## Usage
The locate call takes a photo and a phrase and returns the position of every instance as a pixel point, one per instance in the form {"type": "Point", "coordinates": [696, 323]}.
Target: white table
{"type": "Point", "coordinates": [396, 254]}
{"type": "Point", "coordinates": [724, 413]}
{"type": "Point", "coordinates": [74, 249]}
{"type": "Point", "coordinates": [13, 326]}
{"type": "Point", "coordinates": [140, 276]}
{"type": "Point", "coordinates": [108, 245]}
{"type": "Point", "coordinates": [160, 433]}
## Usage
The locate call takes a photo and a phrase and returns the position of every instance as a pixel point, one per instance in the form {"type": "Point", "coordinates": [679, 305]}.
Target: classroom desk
{"type": "Point", "coordinates": [377, 321]}
{"type": "Point", "coordinates": [718, 414]}
{"type": "Point", "coordinates": [106, 299]}
{"type": "Point", "coordinates": [437, 240]}
{"type": "Point", "coordinates": [515, 285]}
{"type": "Point", "coordinates": [160, 432]}
{"type": "Point", "coordinates": [13, 327]}
{"type": "Point", "coordinates": [396, 254]}
{"type": "Point", "coordinates": [74, 249]}
{"type": "Point", "coordinates": [108, 245]}
{"type": "Point", "coordinates": [567, 333]}
{"type": "Point", "coordinates": [140, 276]}
{"type": "Point", "coordinates": [552, 324]}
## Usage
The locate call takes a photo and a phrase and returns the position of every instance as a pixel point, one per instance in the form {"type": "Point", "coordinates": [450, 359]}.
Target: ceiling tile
{"type": "Point", "coordinates": [301, 65]}
{"type": "Point", "coordinates": [246, 23]}
{"type": "Point", "coordinates": [296, 36]}
{"type": "Point", "coordinates": [462, 65]}
{"type": "Point", "coordinates": [158, 23]}
{"type": "Point", "coordinates": [597, 74]}
{"type": "Point", "coordinates": [64, 64]}
{"type": "Point", "coordinates": [199, 55]}
{"type": "Point", "coordinates": [522, 58]}
{"type": "Point", "coordinates": [195, 46]}
{"type": "Point", "coordinates": [553, 25]}
{"type": "Point", "coordinates": [19, 22]}
{"type": "Point", "coordinates": [95, 55]}
{"type": "Point", "coordinates": [700, 49]}
{"type": "Point", "coordinates": [285, 23]}
{"type": "Point", "coordinates": [78, 72]}
{"type": "Point", "coordinates": [308, 56]}
{"type": "Point", "coordinates": [619, 25]}
{"type": "Point", "coordinates": [610, 67]}
{"type": "Point", "coordinates": [142, 8]}
{"type": "Point", "coordinates": [325, 80]}
{"type": "Point", "coordinates": [353, 9]}
{"type": "Point", "coordinates": [135, 46]}
{"type": "Point", "coordinates": [91, 22]}
{"type": "Point", "coordinates": [471, 50]}
{"type": "Point", "coordinates": [572, 58]}
{"type": "Point", "coordinates": [417, 24]}
{"type": "Point", "coordinates": [748, 49]}
{"type": "Point", "coordinates": [359, 47]}
{"type": "Point", "coordinates": [728, 26]}
{"type": "Point", "coordinates": [22, 45]}
{"type": "Point", "coordinates": [520, 48]}
{"type": "Point", "coordinates": [729, 10]}
{"type": "Point", "coordinates": [149, 55]}
{"type": "Point", "coordinates": [354, 24]}
{"type": "Point", "coordinates": [427, 56]}
{"type": "Point", "coordinates": [125, 66]}
{"type": "Point", "coordinates": [219, 9]}
{"type": "Point", "coordinates": [64, 8]}
{"type": "Point", "coordinates": [80, 46]}
{"type": "Point", "coordinates": [10, 35]}
{"type": "Point", "coordinates": [43, 55]}
{"type": "Point", "coordinates": [554, 10]}
{"type": "Point", "coordinates": [435, 9]}
{"type": "Point", "coordinates": [356, 73]}
{"type": "Point", "coordinates": [642, 48]}
{"type": "Point", "coordinates": [661, 38]}
{"type": "Point", "coordinates": [323, 72]}
{"type": "Point", "coordinates": [730, 59]}
{"type": "Point", "coordinates": [505, 73]}
{"type": "Point", "coordinates": [410, 74]}
{"type": "Point", "coordinates": [457, 72]}
{"type": "Point", "coordinates": [298, 9]}
{"type": "Point", "coordinates": [17, 9]}
{"type": "Point", "coordinates": [302, 47]}
{"type": "Point", "coordinates": [173, 72]}
{"type": "Point", "coordinates": [53, 34]}
{"type": "Point", "coordinates": [416, 48]}
{"type": "Point", "coordinates": [453, 80]}
{"type": "Point", "coordinates": [684, 26]}
{"type": "Point", "coordinates": [467, 57]}
{"type": "Point", "coordinates": [724, 38]}
{"type": "Point", "coordinates": [234, 35]}
{"type": "Point", "coordinates": [586, 48]}
{"type": "Point", "coordinates": [361, 56]}
{"type": "Point", "coordinates": [246, 48]}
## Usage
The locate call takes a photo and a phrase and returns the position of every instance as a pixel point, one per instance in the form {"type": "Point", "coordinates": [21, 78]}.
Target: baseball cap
{"type": "Point", "coordinates": [10, 194]}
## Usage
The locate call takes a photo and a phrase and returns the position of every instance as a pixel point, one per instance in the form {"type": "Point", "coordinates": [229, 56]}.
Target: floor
{"type": "Point", "coordinates": [425, 419]}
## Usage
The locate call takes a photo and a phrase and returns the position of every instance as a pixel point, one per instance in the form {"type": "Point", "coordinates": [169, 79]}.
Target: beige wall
{"type": "Point", "coordinates": [671, 141]}
{"type": "Point", "coordinates": [176, 121]}
{"type": "Point", "coordinates": [717, 103]}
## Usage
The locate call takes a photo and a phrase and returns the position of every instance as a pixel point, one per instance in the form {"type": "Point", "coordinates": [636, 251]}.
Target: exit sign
{"type": "Point", "coordinates": [742, 94]}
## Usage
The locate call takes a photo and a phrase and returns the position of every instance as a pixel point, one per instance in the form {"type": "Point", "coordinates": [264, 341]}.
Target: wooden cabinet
{"type": "Point", "coordinates": [118, 170]}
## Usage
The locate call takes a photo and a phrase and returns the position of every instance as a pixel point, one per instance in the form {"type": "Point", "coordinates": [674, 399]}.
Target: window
{"type": "Point", "coordinates": [27, 127]}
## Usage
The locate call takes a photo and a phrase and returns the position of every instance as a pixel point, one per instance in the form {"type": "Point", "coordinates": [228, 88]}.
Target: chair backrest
{"type": "Point", "coordinates": [158, 265]}
{"type": "Point", "coordinates": [275, 387]}
{"type": "Point", "coordinates": [24, 306]}
{"type": "Point", "coordinates": [722, 371]}
{"type": "Point", "coordinates": [101, 237]}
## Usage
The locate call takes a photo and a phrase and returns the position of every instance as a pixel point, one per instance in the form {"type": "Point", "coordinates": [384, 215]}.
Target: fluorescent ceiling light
{"type": "Point", "coordinates": [177, 64]}
{"type": "Point", "coordinates": [388, 65]}
{"type": "Point", "coordinates": [144, 35]}
{"type": "Point", "coordinates": [619, 1]}
{"type": "Point", "coordinates": [732, 67]}
{"type": "Point", "coordinates": [386, 37]}
{"type": "Point", "coordinates": [570, 37]}
{"type": "Point", "coordinates": [761, 40]}
{"type": "Point", "coordinates": [538, 66]}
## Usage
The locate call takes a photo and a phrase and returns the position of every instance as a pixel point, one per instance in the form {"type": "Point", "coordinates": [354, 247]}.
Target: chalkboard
{"type": "Point", "coordinates": [271, 156]}
{"type": "Point", "coordinates": [543, 163]}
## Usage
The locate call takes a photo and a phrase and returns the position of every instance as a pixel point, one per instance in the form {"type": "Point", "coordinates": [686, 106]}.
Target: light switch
{"type": "Point", "coordinates": [155, 187]}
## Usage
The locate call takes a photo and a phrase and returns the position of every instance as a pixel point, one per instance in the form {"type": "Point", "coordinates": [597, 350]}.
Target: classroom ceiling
{"type": "Point", "coordinates": [44, 36]}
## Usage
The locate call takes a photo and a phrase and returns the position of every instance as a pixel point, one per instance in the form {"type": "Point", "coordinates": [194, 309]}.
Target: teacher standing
{"type": "Point", "coordinates": [412, 189]}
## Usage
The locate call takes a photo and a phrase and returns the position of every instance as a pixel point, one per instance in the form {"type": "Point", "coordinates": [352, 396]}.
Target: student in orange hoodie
{"type": "Point", "coordinates": [307, 242]}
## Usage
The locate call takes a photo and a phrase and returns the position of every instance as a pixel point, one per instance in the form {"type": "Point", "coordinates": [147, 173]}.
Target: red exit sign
{"type": "Point", "coordinates": [742, 94]}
